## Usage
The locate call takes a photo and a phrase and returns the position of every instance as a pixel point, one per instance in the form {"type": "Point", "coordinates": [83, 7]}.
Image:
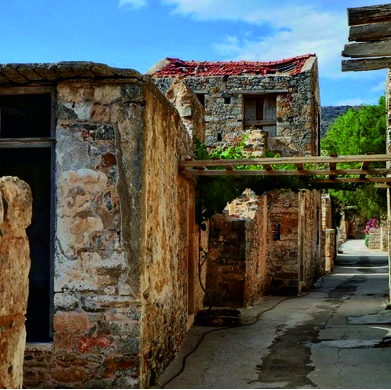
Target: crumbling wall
{"type": "Point", "coordinates": [237, 258]}
{"type": "Point", "coordinates": [282, 254]}
{"type": "Point", "coordinates": [256, 252]}
{"type": "Point", "coordinates": [15, 217]}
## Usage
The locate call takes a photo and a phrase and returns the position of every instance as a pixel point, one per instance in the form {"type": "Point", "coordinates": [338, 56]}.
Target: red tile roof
{"type": "Point", "coordinates": [175, 66]}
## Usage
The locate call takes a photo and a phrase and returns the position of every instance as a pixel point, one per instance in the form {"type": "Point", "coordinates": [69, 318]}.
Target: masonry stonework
{"type": "Point", "coordinates": [15, 217]}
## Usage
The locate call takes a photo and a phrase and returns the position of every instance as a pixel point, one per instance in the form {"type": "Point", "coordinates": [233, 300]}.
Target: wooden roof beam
{"type": "Point", "coordinates": [370, 32]}
{"type": "Point", "coordinates": [369, 14]}
{"type": "Point", "coordinates": [366, 64]}
{"type": "Point", "coordinates": [367, 49]}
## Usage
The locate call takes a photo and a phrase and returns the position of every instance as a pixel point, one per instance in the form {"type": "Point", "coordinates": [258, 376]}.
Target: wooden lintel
{"type": "Point", "coordinates": [259, 91]}
{"type": "Point", "coordinates": [11, 143]}
{"type": "Point", "coordinates": [368, 49]}
{"type": "Point", "coordinates": [366, 64]}
{"type": "Point", "coordinates": [260, 123]}
{"type": "Point", "coordinates": [369, 14]}
{"type": "Point", "coordinates": [370, 32]}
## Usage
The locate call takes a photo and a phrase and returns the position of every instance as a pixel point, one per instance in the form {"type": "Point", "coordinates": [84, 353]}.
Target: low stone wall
{"type": "Point", "coordinates": [15, 217]}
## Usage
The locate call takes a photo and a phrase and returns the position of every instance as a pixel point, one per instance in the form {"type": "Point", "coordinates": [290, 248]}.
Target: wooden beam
{"type": "Point", "coordinates": [367, 64]}
{"type": "Point", "coordinates": [11, 143]}
{"type": "Point", "coordinates": [370, 14]}
{"type": "Point", "coordinates": [258, 91]}
{"type": "Point", "coordinates": [288, 160]}
{"type": "Point", "coordinates": [364, 166]}
{"type": "Point", "coordinates": [367, 49]}
{"type": "Point", "coordinates": [218, 172]}
{"type": "Point", "coordinates": [353, 180]}
{"type": "Point", "coordinates": [370, 32]}
{"type": "Point", "coordinates": [260, 123]}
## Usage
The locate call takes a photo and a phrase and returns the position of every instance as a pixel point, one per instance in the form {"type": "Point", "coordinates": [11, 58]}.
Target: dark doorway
{"type": "Point", "coordinates": [29, 117]}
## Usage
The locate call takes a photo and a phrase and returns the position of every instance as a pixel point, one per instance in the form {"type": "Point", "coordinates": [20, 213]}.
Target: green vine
{"type": "Point", "coordinates": [213, 193]}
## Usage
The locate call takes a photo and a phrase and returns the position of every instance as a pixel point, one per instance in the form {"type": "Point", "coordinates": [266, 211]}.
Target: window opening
{"type": "Point", "coordinates": [219, 137]}
{"type": "Point", "coordinates": [30, 117]}
{"type": "Point", "coordinates": [259, 112]}
{"type": "Point", "coordinates": [227, 100]}
{"type": "Point", "coordinates": [201, 98]}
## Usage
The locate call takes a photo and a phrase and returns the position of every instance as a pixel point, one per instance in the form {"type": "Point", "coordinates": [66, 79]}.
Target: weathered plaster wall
{"type": "Point", "coordinates": [15, 217]}
{"type": "Point", "coordinates": [96, 266]}
{"type": "Point", "coordinates": [296, 117]}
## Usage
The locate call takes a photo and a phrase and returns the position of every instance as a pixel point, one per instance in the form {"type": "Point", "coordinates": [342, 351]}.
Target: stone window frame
{"type": "Point", "coordinates": [39, 142]}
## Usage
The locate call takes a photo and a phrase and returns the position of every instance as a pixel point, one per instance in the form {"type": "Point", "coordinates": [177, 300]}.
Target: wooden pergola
{"type": "Point", "coordinates": [325, 167]}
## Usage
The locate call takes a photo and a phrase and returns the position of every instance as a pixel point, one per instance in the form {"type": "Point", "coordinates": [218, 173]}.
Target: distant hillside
{"type": "Point", "coordinates": [330, 114]}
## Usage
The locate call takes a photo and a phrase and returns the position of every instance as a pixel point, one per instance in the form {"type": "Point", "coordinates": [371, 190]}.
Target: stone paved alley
{"type": "Point", "coordinates": [337, 336]}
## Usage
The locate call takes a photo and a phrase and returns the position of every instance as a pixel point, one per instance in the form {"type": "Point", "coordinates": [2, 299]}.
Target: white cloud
{"type": "Point", "coordinates": [135, 4]}
{"type": "Point", "coordinates": [381, 87]}
{"type": "Point", "coordinates": [357, 102]}
{"type": "Point", "coordinates": [296, 27]}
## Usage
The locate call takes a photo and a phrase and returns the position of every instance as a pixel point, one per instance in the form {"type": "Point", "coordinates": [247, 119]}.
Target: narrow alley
{"type": "Point", "coordinates": [336, 336]}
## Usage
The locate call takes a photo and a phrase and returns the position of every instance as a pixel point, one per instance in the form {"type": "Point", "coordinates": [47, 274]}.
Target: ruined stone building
{"type": "Point", "coordinates": [112, 241]}
{"type": "Point", "coordinates": [277, 105]}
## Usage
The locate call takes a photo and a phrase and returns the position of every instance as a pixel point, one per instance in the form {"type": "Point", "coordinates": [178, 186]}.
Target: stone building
{"type": "Point", "coordinates": [113, 243]}
{"type": "Point", "coordinates": [277, 105]}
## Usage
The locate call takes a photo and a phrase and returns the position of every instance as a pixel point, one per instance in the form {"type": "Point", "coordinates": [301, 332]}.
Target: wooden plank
{"type": "Point", "coordinates": [250, 109]}
{"type": "Point", "coordinates": [10, 143]}
{"type": "Point", "coordinates": [259, 91]}
{"type": "Point", "coordinates": [366, 64]}
{"type": "Point", "coordinates": [289, 160]}
{"type": "Point", "coordinates": [367, 49]}
{"type": "Point", "coordinates": [364, 166]}
{"type": "Point", "coordinates": [275, 172]}
{"type": "Point", "coordinates": [354, 180]}
{"type": "Point", "coordinates": [370, 32]}
{"type": "Point", "coordinates": [269, 113]}
{"type": "Point", "coordinates": [37, 90]}
{"type": "Point", "coordinates": [260, 122]}
{"type": "Point", "coordinates": [369, 14]}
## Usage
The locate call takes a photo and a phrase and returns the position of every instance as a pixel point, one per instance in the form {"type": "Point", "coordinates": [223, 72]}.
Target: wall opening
{"type": "Point", "coordinates": [201, 98]}
{"type": "Point", "coordinates": [260, 112]}
{"type": "Point", "coordinates": [26, 151]}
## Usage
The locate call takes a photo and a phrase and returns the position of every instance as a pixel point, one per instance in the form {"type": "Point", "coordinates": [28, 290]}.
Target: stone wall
{"type": "Point", "coordinates": [168, 210]}
{"type": "Point", "coordinates": [297, 108]}
{"type": "Point", "coordinates": [329, 250]}
{"type": "Point", "coordinates": [237, 259]}
{"type": "Point", "coordinates": [283, 251]}
{"type": "Point", "coordinates": [15, 217]}
{"type": "Point", "coordinates": [121, 255]}
{"type": "Point", "coordinates": [310, 238]}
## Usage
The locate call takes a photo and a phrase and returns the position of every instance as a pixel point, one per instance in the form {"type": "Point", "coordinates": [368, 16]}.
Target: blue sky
{"type": "Point", "coordinates": [138, 33]}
